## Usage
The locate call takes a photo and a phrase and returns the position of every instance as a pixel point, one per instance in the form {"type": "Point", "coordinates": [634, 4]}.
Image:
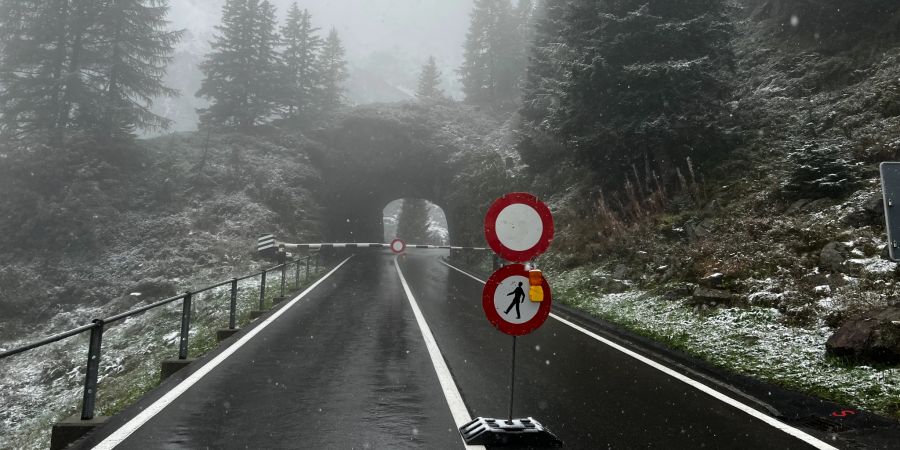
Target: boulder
{"type": "Point", "coordinates": [833, 256]}
{"type": "Point", "coordinates": [621, 272]}
{"type": "Point", "coordinates": [765, 299]}
{"type": "Point", "coordinates": [871, 338]}
{"type": "Point", "coordinates": [713, 297]}
{"type": "Point", "coordinates": [871, 212]}
{"type": "Point", "coordinates": [608, 285]}
{"type": "Point", "coordinates": [680, 291]}
{"type": "Point", "coordinates": [712, 280]}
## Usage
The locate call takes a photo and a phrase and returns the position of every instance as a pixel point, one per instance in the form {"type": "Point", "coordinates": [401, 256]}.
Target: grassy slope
{"type": "Point", "coordinates": [84, 230]}
{"type": "Point", "coordinates": [145, 219]}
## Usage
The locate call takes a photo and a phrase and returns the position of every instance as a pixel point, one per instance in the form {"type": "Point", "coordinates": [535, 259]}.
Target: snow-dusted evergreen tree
{"type": "Point", "coordinates": [137, 47]}
{"type": "Point", "coordinates": [657, 81]}
{"type": "Point", "coordinates": [333, 72]}
{"type": "Point", "coordinates": [82, 64]}
{"type": "Point", "coordinates": [41, 65]}
{"type": "Point", "coordinates": [548, 63]}
{"type": "Point", "coordinates": [430, 82]}
{"type": "Point", "coordinates": [493, 57]}
{"type": "Point", "coordinates": [242, 72]}
{"type": "Point", "coordinates": [301, 46]}
{"type": "Point", "coordinates": [628, 81]}
{"type": "Point", "coordinates": [412, 225]}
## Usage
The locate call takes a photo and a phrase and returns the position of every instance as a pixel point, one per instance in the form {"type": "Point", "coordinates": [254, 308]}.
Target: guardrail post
{"type": "Point", "coordinates": [185, 326]}
{"type": "Point", "coordinates": [232, 318]}
{"type": "Point", "coordinates": [297, 274]}
{"type": "Point", "coordinates": [318, 255]}
{"type": "Point", "coordinates": [262, 291]}
{"type": "Point", "coordinates": [307, 267]}
{"type": "Point", "coordinates": [93, 371]}
{"type": "Point", "coordinates": [283, 277]}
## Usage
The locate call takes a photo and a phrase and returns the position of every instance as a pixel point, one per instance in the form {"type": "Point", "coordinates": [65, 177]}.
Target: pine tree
{"type": "Point", "coordinates": [242, 71]}
{"type": "Point", "coordinates": [646, 80]}
{"type": "Point", "coordinates": [548, 63]}
{"type": "Point", "coordinates": [90, 65]}
{"type": "Point", "coordinates": [138, 48]}
{"type": "Point", "coordinates": [412, 225]}
{"type": "Point", "coordinates": [430, 82]}
{"type": "Point", "coordinates": [492, 66]}
{"type": "Point", "coordinates": [35, 50]}
{"type": "Point", "coordinates": [333, 70]}
{"type": "Point", "coordinates": [301, 71]}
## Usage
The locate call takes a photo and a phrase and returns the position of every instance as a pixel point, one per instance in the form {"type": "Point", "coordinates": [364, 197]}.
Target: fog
{"type": "Point", "coordinates": [387, 42]}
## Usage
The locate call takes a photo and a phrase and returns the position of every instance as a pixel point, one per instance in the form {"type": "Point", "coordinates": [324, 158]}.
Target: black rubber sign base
{"type": "Point", "coordinates": [523, 433]}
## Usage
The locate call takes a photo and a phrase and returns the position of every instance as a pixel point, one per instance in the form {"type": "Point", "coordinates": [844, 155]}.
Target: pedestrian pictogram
{"type": "Point", "coordinates": [518, 227]}
{"type": "Point", "coordinates": [506, 304]}
{"type": "Point", "coordinates": [398, 246]}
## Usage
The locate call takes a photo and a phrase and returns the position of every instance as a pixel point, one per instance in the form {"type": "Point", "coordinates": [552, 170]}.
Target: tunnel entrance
{"type": "Point", "coordinates": [415, 221]}
{"type": "Point", "coordinates": [373, 156]}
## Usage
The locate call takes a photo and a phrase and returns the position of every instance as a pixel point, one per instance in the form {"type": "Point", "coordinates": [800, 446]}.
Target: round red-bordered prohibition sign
{"type": "Point", "coordinates": [518, 227]}
{"type": "Point", "coordinates": [398, 246]}
{"type": "Point", "coordinates": [501, 315]}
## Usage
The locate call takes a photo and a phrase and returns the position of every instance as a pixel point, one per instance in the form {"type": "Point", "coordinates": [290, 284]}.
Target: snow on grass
{"type": "Point", "coordinates": [750, 341]}
{"type": "Point", "coordinates": [44, 385]}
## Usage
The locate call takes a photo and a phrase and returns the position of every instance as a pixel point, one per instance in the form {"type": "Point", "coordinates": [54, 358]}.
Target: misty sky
{"type": "Point", "coordinates": [407, 30]}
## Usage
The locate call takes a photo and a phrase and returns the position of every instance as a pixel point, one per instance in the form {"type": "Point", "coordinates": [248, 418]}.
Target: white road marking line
{"type": "Point", "coordinates": [775, 423]}
{"type": "Point", "coordinates": [139, 420]}
{"type": "Point", "coordinates": [454, 400]}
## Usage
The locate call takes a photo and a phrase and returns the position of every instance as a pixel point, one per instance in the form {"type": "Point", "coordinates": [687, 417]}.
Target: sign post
{"type": "Point", "coordinates": [266, 245]}
{"type": "Point", "coordinates": [890, 188]}
{"type": "Point", "coordinates": [516, 300]}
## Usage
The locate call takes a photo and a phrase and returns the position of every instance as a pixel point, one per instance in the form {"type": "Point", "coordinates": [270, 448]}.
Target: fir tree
{"type": "Point", "coordinates": [548, 63]}
{"type": "Point", "coordinates": [333, 70]}
{"type": "Point", "coordinates": [242, 71]}
{"type": "Point", "coordinates": [35, 54]}
{"type": "Point", "coordinates": [139, 47]}
{"type": "Point", "coordinates": [430, 82]}
{"type": "Point", "coordinates": [301, 72]}
{"type": "Point", "coordinates": [412, 225]}
{"type": "Point", "coordinates": [642, 80]}
{"type": "Point", "coordinates": [82, 65]}
{"type": "Point", "coordinates": [491, 69]}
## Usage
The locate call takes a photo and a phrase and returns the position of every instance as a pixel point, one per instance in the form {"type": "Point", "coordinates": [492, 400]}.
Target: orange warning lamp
{"type": "Point", "coordinates": [536, 280]}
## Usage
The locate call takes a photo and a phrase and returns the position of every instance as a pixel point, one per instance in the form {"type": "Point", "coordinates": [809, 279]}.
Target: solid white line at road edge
{"type": "Point", "coordinates": [799, 434]}
{"type": "Point", "coordinates": [139, 420]}
{"type": "Point", "coordinates": [454, 400]}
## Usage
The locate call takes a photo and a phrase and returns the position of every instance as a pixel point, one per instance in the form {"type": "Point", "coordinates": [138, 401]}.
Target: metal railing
{"type": "Point", "coordinates": [97, 326]}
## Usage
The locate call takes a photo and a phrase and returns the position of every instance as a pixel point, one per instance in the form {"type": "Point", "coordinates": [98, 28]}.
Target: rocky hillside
{"type": "Point", "coordinates": [85, 227]}
{"type": "Point", "coordinates": [785, 237]}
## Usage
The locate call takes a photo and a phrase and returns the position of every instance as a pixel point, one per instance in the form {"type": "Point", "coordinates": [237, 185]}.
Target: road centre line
{"type": "Point", "coordinates": [775, 423]}
{"type": "Point", "coordinates": [156, 407]}
{"type": "Point", "coordinates": [451, 392]}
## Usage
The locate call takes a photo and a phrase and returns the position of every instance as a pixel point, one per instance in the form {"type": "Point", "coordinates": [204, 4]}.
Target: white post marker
{"type": "Point", "coordinates": [518, 227]}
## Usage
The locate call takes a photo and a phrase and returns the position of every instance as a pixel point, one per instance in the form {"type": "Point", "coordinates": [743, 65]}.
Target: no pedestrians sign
{"type": "Point", "coordinates": [507, 305]}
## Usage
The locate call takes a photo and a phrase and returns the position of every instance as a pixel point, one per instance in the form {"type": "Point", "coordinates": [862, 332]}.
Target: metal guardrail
{"type": "Point", "coordinates": [97, 326]}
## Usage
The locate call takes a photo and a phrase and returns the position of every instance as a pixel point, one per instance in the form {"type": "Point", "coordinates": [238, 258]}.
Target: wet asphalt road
{"type": "Point", "coordinates": [346, 367]}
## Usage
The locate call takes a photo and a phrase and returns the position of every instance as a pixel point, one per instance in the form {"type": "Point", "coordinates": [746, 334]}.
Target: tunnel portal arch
{"type": "Point", "coordinates": [372, 158]}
